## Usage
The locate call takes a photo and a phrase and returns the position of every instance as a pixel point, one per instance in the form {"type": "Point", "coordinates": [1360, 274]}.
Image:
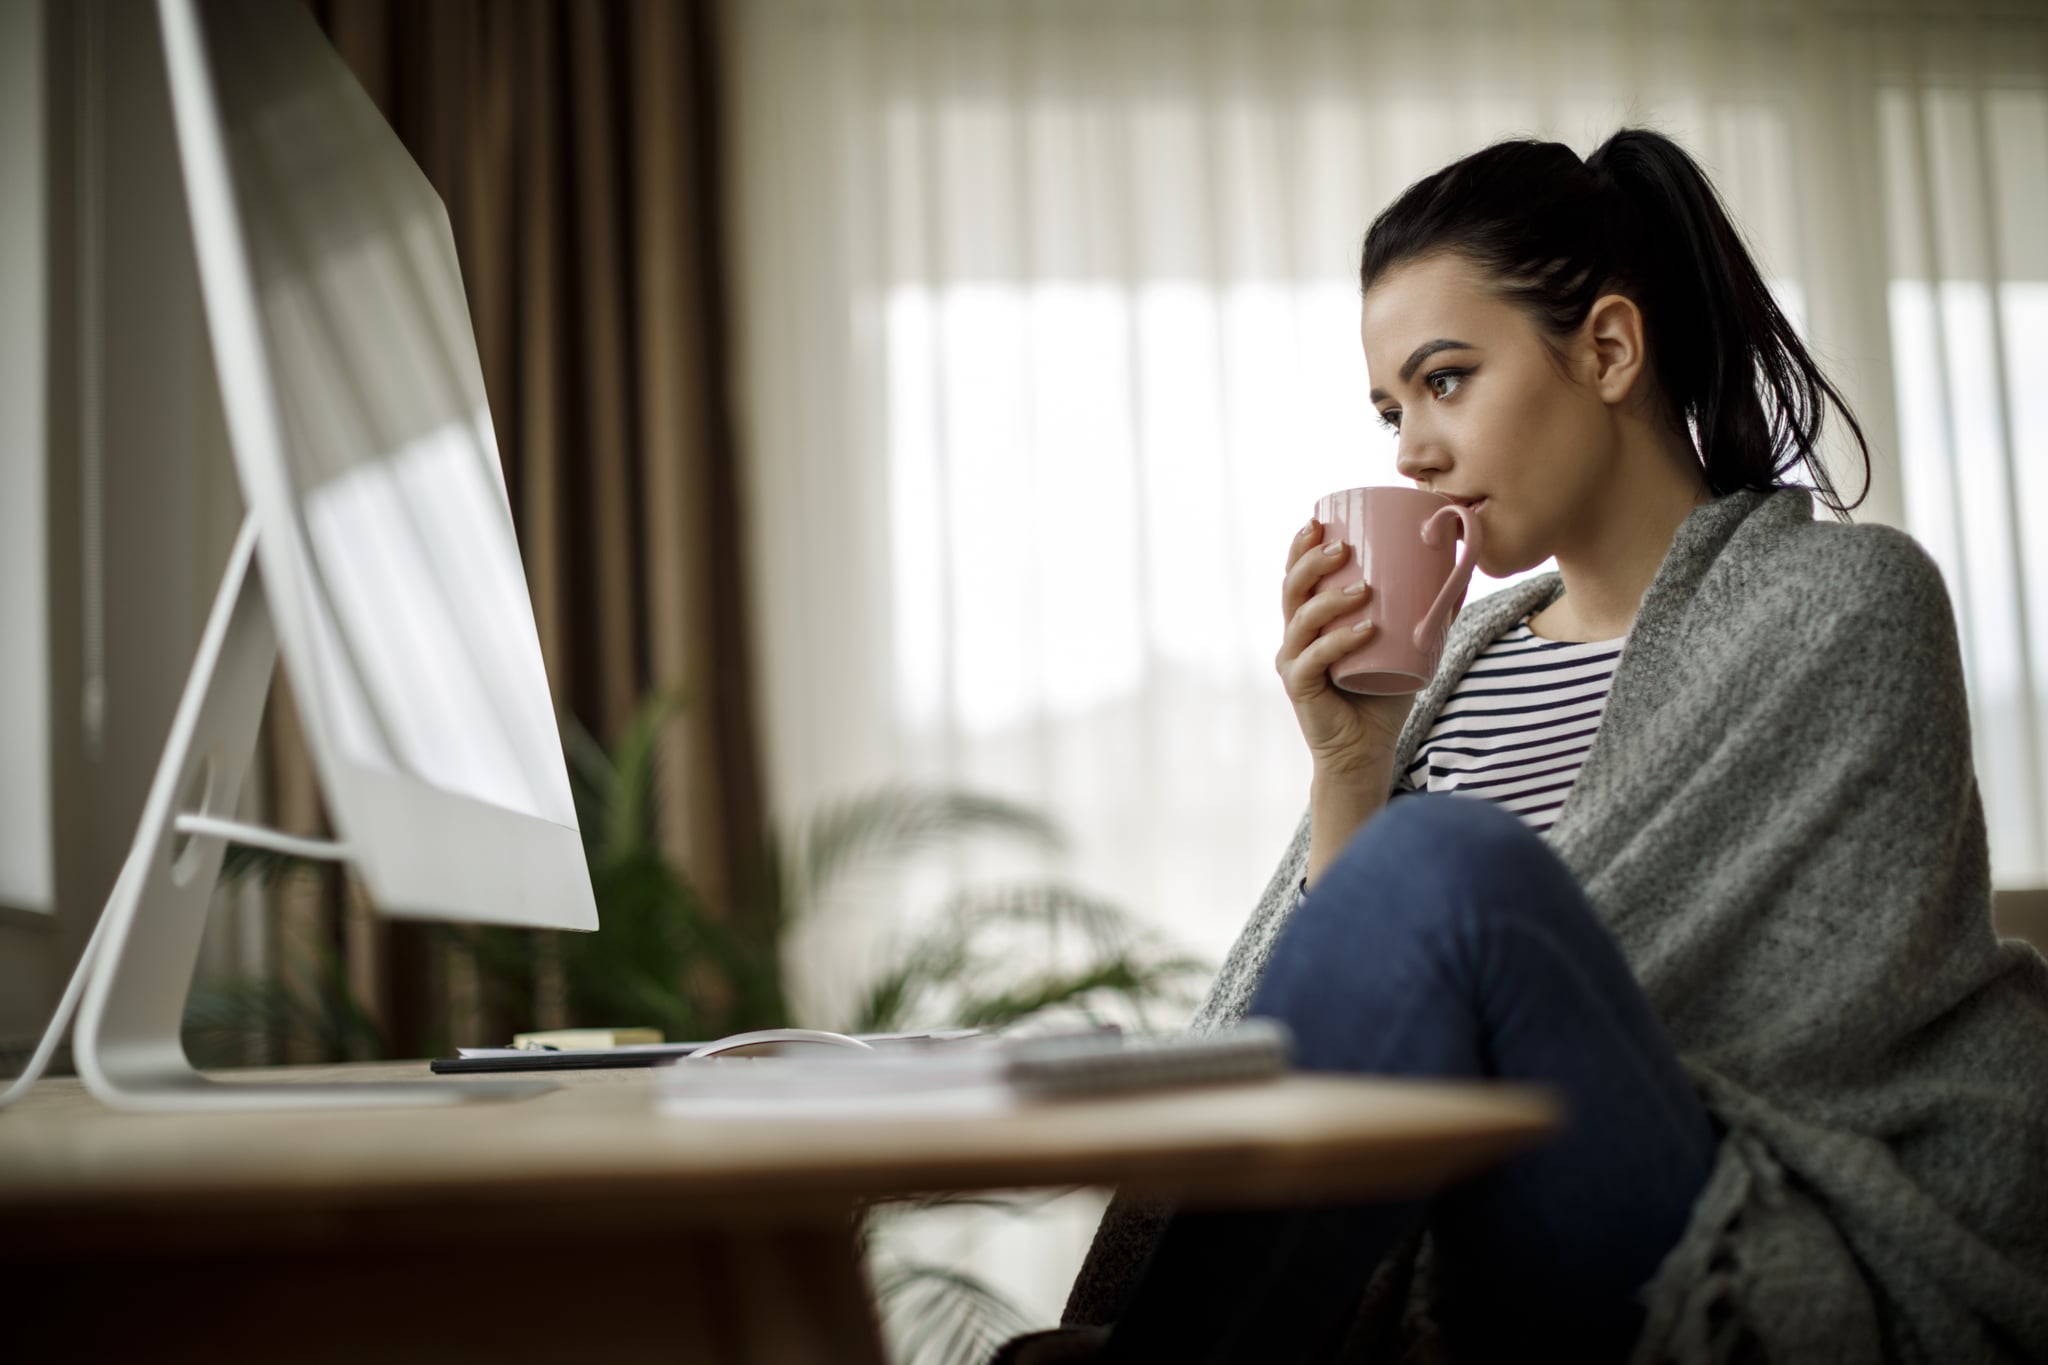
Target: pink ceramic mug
{"type": "Point", "coordinates": [1400, 544]}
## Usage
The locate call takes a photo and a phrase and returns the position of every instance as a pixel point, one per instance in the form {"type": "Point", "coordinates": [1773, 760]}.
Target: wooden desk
{"type": "Point", "coordinates": [583, 1226]}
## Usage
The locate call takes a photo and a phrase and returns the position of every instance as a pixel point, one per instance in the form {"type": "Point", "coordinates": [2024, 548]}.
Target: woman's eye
{"type": "Point", "coordinates": [1390, 418]}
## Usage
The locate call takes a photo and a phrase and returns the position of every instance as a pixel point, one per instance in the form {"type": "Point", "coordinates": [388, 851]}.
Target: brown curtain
{"type": "Point", "coordinates": [575, 144]}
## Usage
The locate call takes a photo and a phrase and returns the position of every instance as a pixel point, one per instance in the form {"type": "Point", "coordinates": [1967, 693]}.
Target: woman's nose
{"type": "Point", "coordinates": [1418, 459]}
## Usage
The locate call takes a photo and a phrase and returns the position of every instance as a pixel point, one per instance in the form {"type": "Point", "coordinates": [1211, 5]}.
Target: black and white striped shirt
{"type": "Point", "coordinates": [1519, 724]}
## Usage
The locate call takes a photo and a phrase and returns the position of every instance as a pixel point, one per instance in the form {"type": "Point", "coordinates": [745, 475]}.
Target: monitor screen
{"type": "Point", "coordinates": [355, 405]}
{"type": "Point", "coordinates": [427, 658]}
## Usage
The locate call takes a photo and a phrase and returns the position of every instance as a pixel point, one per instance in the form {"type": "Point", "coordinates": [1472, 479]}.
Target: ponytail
{"type": "Point", "coordinates": [1637, 217]}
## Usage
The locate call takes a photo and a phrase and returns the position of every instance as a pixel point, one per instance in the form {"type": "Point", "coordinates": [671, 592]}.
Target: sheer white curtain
{"type": "Point", "coordinates": [1962, 127]}
{"type": "Point", "coordinates": [1048, 326]}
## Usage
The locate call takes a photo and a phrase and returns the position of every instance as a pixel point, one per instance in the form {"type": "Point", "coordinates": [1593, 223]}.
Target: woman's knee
{"type": "Point", "coordinates": [1426, 855]}
{"type": "Point", "coordinates": [1440, 820]}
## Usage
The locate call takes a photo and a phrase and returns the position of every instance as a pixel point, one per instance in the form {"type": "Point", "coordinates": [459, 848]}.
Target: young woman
{"type": "Point", "coordinates": [1686, 830]}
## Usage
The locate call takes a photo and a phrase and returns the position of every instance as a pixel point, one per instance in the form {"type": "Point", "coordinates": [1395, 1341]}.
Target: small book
{"type": "Point", "coordinates": [565, 1039]}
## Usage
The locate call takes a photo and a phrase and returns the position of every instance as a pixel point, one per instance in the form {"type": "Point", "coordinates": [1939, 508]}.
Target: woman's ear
{"type": "Point", "coordinates": [1614, 350]}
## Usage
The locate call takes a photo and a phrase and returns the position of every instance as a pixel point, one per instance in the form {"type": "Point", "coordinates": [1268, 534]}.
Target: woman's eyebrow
{"type": "Point", "coordinates": [1420, 354]}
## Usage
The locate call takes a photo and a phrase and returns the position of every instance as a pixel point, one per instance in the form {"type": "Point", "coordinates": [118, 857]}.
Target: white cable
{"type": "Point", "coordinates": [257, 836]}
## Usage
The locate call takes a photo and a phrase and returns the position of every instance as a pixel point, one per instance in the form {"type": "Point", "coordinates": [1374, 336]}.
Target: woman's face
{"type": "Point", "coordinates": [1485, 410]}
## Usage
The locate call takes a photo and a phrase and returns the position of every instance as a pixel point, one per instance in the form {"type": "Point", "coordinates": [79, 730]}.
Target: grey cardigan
{"type": "Point", "coordinates": [1780, 824]}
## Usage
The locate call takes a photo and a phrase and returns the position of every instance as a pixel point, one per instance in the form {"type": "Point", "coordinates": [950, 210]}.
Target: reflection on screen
{"type": "Point", "coordinates": [429, 663]}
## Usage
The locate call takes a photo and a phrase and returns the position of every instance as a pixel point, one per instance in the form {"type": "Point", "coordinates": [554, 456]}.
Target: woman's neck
{"type": "Point", "coordinates": [1609, 565]}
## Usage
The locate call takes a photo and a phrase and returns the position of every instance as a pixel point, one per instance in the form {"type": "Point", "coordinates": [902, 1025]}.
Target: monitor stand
{"type": "Point", "coordinates": [137, 970]}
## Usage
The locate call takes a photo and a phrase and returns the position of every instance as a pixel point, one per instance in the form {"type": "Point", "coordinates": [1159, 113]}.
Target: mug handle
{"type": "Point", "coordinates": [1438, 616]}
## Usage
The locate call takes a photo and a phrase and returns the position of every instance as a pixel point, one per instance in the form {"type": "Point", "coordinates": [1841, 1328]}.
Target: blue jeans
{"type": "Point", "coordinates": [1448, 940]}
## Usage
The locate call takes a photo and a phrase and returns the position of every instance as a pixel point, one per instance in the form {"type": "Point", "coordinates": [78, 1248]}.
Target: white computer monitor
{"type": "Point", "coordinates": [378, 557]}
{"type": "Point", "coordinates": [355, 404]}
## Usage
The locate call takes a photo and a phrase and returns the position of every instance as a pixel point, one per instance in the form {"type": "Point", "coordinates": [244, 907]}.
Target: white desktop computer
{"type": "Point", "coordinates": [377, 556]}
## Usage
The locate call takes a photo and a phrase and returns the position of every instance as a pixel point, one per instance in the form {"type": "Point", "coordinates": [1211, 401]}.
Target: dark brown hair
{"type": "Point", "coordinates": [1638, 217]}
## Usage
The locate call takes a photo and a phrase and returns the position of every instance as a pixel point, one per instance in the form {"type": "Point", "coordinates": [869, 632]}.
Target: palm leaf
{"type": "Point", "coordinates": [224, 1021]}
{"type": "Point", "coordinates": [942, 1316]}
{"type": "Point", "coordinates": [241, 863]}
{"type": "Point", "coordinates": [1136, 983]}
{"type": "Point", "coordinates": [901, 994]}
{"type": "Point", "coordinates": [965, 968]}
{"type": "Point", "coordinates": [878, 828]}
{"type": "Point", "coordinates": [632, 819]}
{"type": "Point", "coordinates": [592, 777]}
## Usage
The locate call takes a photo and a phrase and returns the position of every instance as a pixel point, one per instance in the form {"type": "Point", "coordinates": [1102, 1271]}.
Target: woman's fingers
{"type": "Point", "coordinates": [1310, 618]}
{"type": "Point", "coordinates": [1309, 647]}
{"type": "Point", "coordinates": [1304, 541]}
{"type": "Point", "coordinates": [1306, 653]}
{"type": "Point", "coordinates": [1306, 670]}
{"type": "Point", "coordinates": [1308, 559]}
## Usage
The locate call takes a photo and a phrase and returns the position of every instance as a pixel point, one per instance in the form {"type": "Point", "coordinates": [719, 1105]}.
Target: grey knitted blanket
{"type": "Point", "coordinates": [1780, 824]}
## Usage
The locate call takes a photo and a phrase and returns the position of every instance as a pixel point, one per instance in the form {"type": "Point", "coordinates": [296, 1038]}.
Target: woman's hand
{"type": "Point", "coordinates": [1350, 737]}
